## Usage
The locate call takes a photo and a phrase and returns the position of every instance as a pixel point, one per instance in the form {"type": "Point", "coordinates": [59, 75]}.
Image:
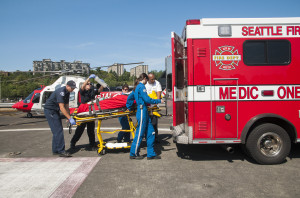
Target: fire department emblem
{"type": "Point", "coordinates": [227, 57]}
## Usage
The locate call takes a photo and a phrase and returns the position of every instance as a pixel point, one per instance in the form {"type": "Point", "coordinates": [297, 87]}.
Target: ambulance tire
{"type": "Point", "coordinates": [29, 115]}
{"type": "Point", "coordinates": [268, 144]}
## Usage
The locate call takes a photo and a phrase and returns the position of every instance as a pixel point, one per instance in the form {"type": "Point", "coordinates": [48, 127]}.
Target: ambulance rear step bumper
{"type": "Point", "coordinates": [182, 139]}
{"type": "Point", "coordinates": [179, 135]}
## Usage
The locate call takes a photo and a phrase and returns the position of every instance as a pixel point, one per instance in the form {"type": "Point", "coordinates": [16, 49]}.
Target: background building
{"type": "Point", "coordinates": [136, 71]}
{"type": "Point", "coordinates": [48, 65]}
{"type": "Point", "coordinates": [118, 68]}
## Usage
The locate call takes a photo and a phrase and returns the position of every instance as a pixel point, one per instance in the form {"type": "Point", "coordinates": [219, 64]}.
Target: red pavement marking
{"type": "Point", "coordinates": [73, 182]}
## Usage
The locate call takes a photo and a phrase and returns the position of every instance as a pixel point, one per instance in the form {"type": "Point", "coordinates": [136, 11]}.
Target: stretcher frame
{"type": "Point", "coordinates": [101, 115]}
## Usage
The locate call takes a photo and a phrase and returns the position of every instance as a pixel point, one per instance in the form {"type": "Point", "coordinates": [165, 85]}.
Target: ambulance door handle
{"type": "Point", "coordinates": [227, 117]}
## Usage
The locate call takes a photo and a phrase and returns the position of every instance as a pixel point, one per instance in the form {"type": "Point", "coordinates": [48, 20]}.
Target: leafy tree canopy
{"type": "Point", "coordinates": [18, 85]}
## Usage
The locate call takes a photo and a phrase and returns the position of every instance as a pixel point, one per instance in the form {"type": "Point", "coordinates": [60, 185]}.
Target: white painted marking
{"type": "Point", "coordinates": [43, 177]}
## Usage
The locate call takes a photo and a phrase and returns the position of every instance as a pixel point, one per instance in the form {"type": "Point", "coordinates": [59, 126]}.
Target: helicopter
{"type": "Point", "coordinates": [26, 104]}
{"type": "Point", "coordinates": [34, 102]}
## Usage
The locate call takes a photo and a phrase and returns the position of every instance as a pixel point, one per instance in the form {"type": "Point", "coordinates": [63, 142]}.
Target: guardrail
{"type": "Point", "coordinates": [6, 105]}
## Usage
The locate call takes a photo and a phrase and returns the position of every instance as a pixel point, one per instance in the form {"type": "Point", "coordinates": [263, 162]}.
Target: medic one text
{"type": "Point", "coordinates": [232, 93]}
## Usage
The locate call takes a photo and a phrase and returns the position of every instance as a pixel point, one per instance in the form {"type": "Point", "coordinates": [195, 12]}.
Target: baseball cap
{"type": "Point", "coordinates": [72, 84]}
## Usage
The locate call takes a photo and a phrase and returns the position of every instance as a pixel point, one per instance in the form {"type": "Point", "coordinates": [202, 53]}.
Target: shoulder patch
{"type": "Point", "coordinates": [62, 93]}
{"type": "Point", "coordinates": [144, 90]}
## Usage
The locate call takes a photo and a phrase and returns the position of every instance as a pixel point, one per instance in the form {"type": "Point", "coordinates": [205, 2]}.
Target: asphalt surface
{"type": "Point", "coordinates": [194, 171]}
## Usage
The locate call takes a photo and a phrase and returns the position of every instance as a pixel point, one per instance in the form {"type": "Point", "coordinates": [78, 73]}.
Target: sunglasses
{"type": "Point", "coordinates": [125, 89]}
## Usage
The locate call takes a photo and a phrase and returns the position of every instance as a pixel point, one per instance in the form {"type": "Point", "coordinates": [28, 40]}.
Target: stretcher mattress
{"type": "Point", "coordinates": [116, 102]}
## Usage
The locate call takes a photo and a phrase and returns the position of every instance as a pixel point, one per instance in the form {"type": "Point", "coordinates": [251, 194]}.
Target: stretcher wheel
{"type": "Point", "coordinates": [103, 152]}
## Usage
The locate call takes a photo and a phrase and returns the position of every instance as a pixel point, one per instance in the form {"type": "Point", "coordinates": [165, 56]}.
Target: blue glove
{"type": "Point", "coordinates": [92, 76]}
{"type": "Point", "coordinates": [72, 121]}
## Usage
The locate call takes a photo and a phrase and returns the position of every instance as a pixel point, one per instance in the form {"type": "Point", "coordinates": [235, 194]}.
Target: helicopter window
{"type": "Point", "coordinates": [46, 95]}
{"type": "Point", "coordinates": [72, 96]}
{"type": "Point", "coordinates": [58, 86]}
{"type": "Point", "coordinates": [28, 98]}
{"type": "Point", "coordinates": [36, 98]}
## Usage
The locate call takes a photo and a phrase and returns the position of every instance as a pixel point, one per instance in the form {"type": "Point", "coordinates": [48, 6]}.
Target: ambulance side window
{"type": "Point", "coordinates": [267, 52]}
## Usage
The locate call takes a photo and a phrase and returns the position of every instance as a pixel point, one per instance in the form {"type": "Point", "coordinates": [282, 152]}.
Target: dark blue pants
{"type": "Point", "coordinates": [154, 121]}
{"type": "Point", "coordinates": [54, 121]}
{"type": "Point", "coordinates": [125, 126]}
{"type": "Point", "coordinates": [90, 131]}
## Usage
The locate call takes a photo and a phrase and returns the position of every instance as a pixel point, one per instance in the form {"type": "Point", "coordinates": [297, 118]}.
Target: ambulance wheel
{"type": "Point", "coordinates": [29, 115]}
{"type": "Point", "coordinates": [268, 144]}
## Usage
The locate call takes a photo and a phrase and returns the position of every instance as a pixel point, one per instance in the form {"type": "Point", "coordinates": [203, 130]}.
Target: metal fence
{"type": "Point", "coordinates": [6, 105]}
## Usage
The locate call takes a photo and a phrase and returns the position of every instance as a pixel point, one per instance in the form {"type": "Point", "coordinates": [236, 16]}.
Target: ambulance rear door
{"type": "Point", "coordinates": [178, 81]}
{"type": "Point", "coordinates": [201, 86]}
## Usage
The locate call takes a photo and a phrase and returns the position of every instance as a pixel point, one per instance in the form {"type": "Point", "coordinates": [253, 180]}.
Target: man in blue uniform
{"type": "Point", "coordinates": [87, 94]}
{"type": "Point", "coordinates": [59, 101]}
{"type": "Point", "coordinates": [124, 121]}
{"type": "Point", "coordinates": [144, 127]}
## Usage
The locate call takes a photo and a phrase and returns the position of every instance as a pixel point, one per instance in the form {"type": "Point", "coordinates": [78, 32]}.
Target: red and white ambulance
{"type": "Point", "coordinates": [237, 81]}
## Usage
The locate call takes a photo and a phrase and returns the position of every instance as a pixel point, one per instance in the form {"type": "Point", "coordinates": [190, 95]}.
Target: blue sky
{"type": "Point", "coordinates": [105, 32]}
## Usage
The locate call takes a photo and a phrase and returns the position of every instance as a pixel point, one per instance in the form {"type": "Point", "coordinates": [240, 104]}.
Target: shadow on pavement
{"type": "Point", "coordinates": [164, 141]}
{"type": "Point", "coordinates": [216, 152]}
{"type": "Point", "coordinates": [211, 152]}
{"type": "Point", "coordinates": [295, 151]}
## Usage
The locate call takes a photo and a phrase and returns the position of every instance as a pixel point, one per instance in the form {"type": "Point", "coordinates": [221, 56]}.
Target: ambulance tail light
{"type": "Point", "coordinates": [267, 93]}
{"type": "Point", "coordinates": [193, 22]}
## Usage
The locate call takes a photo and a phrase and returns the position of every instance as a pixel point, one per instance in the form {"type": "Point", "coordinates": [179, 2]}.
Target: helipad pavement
{"type": "Point", "coordinates": [43, 177]}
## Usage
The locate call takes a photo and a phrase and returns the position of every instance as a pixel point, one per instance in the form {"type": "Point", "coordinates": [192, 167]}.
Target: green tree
{"type": "Point", "coordinates": [157, 73]}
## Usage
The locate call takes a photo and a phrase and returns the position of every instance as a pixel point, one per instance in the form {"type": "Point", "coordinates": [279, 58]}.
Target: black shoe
{"type": "Point", "coordinates": [154, 157]}
{"type": "Point", "coordinates": [55, 153]}
{"type": "Point", "coordinates": [136, 157]}
{"type": "Point", "coordinates": [65, 154]}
